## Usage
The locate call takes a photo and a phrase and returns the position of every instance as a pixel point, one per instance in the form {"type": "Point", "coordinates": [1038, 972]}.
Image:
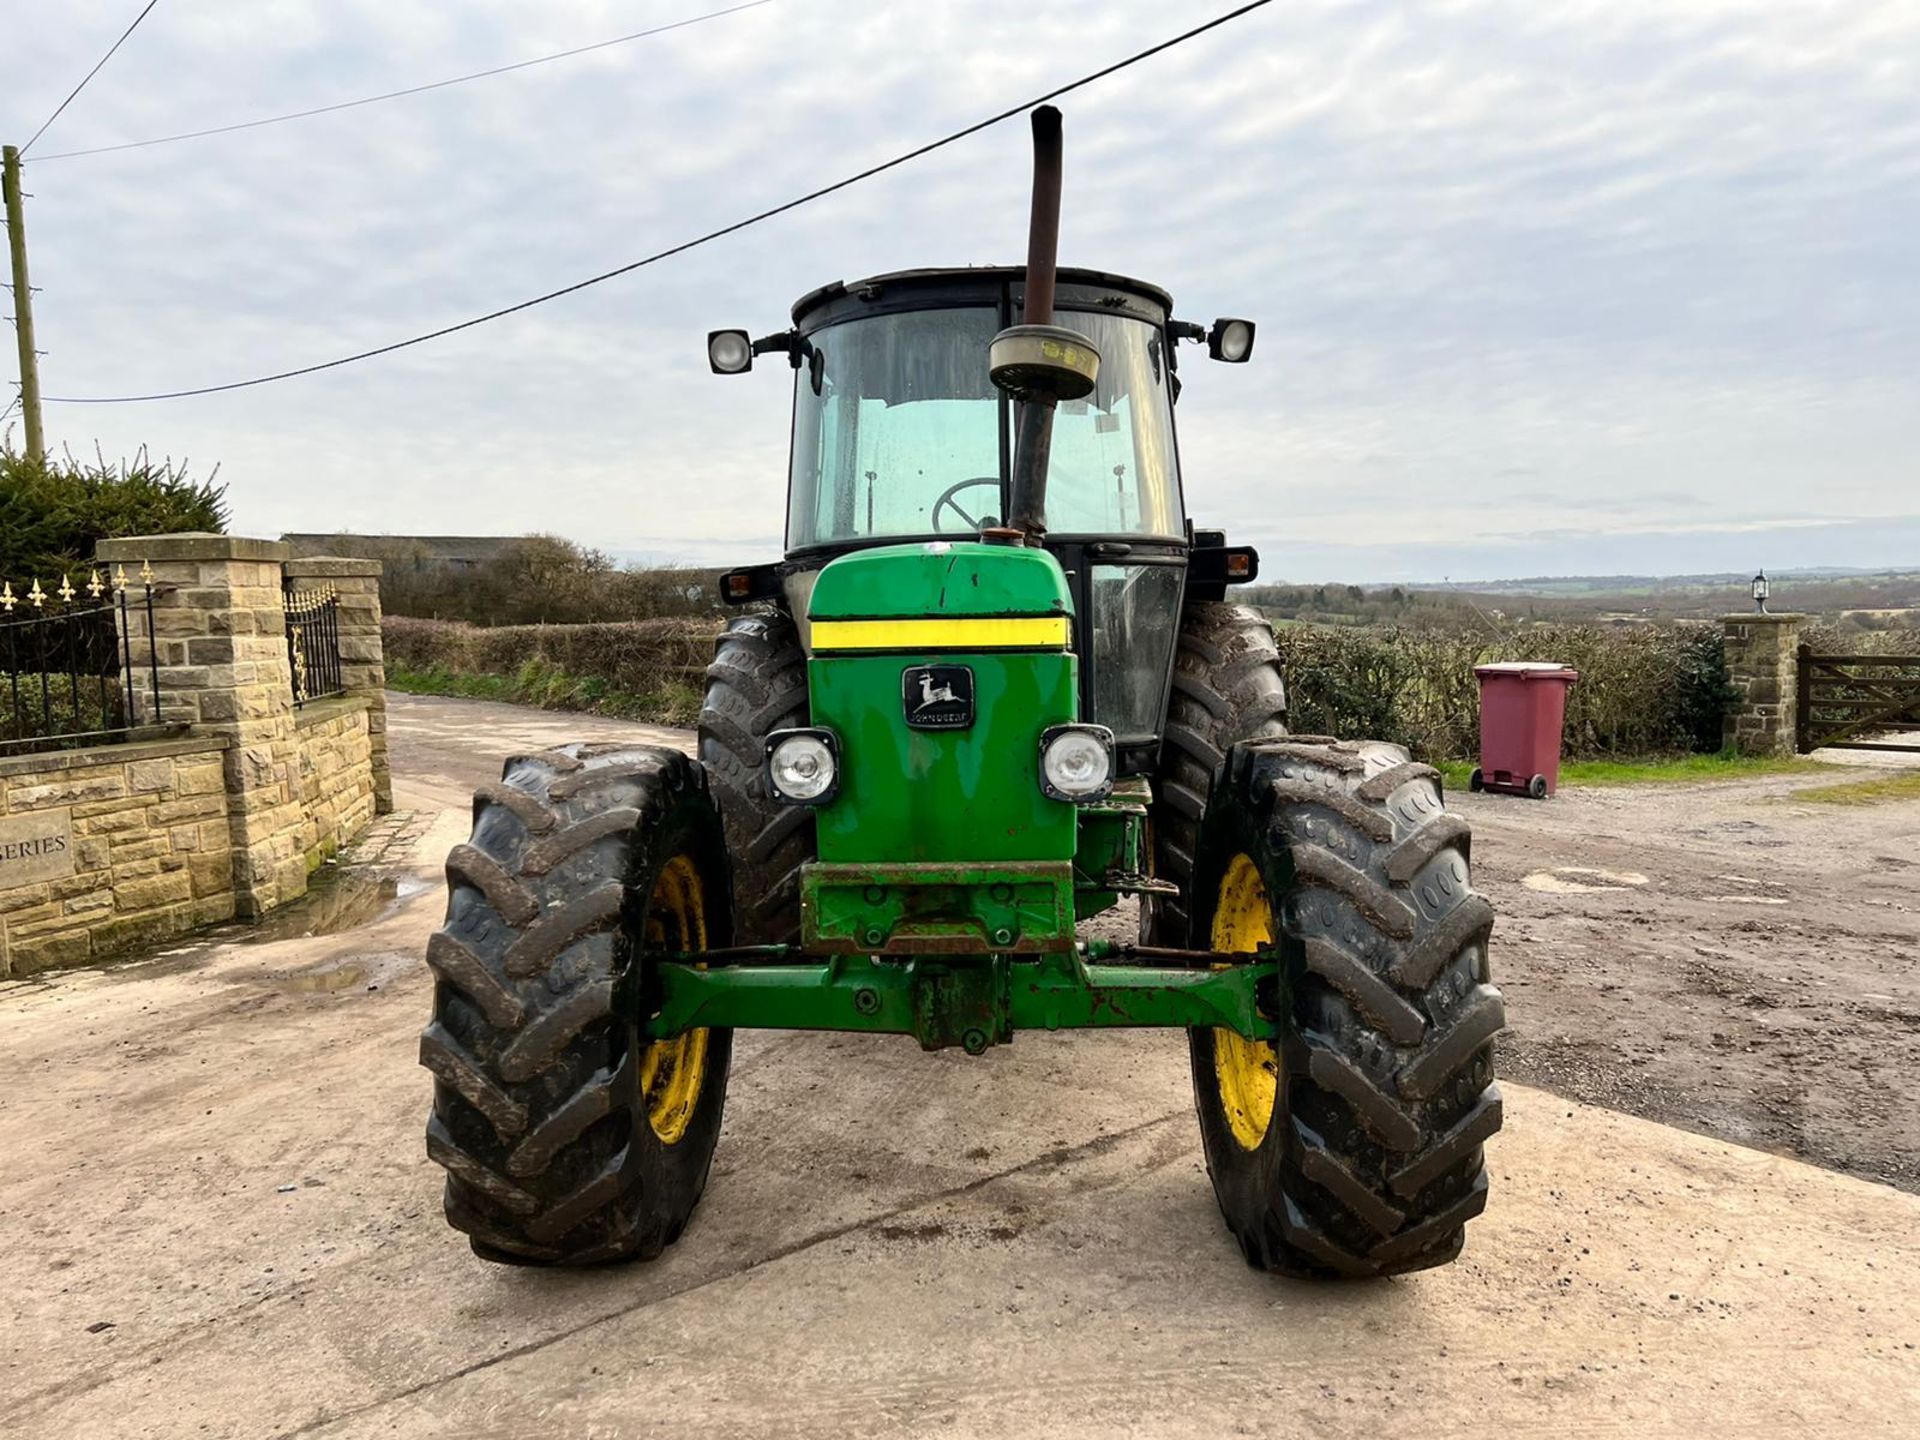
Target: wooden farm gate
{"type": "Point", "coordinates": [1843, 698]}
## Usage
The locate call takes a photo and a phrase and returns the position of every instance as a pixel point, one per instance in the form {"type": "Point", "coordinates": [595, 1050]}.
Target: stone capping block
{"type": "Point", "coordinates": [191, 545]}
{"type": "Point", "coordinates": [318, 712]}
{"type": "Point", "coordinates": [333, 567]}
{"type": "Point", "coordinates": [53, 760]}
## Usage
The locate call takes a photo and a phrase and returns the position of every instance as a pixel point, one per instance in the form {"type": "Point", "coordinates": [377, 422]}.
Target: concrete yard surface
{"type": "Point", "coordinates": [218, 1219]}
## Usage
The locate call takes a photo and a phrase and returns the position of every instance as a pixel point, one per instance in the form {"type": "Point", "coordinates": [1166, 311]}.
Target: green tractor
{"type": "Point", "coordinates": [968, 713]}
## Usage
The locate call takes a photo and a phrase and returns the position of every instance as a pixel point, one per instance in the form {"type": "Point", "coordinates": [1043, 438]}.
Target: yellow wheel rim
{"type": "Point", "coordinates": [673, 1072]}
{"type": "Point", "coordinates": [1245, 1071]}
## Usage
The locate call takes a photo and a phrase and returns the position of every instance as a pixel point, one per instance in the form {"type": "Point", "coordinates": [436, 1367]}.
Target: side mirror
{"type": "Point", "coordinates": [1231, 341]}
{"type": "Point", "coordinates": [729, 352]}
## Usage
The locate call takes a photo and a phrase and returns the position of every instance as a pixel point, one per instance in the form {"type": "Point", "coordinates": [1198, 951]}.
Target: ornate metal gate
{"type": "Point", "coordinates": [1843, 698]}
{"type": "Point", "coordinates": [313, 643]}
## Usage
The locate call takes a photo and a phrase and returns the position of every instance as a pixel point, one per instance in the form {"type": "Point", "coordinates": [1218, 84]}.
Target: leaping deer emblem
{"type": "Point", "coordinates": [931, 696]}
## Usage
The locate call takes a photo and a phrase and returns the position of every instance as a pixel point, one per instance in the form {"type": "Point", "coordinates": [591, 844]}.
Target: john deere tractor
{"type": "Point", "coordinates": [993, 690]}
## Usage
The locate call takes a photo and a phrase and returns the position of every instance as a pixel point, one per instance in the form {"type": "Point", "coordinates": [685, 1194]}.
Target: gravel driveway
{"type": "Point", "coordinates": [218, 1220]}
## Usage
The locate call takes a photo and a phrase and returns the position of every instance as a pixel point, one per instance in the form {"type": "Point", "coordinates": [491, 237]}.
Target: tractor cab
{"type": "Point", "coordinates": [900, 434]}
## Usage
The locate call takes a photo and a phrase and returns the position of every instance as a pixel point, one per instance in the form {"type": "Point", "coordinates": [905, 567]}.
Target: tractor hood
{"type": "Point", "coordinates": [936, 580]}
{"type": "Point", "coordinates": [938, 666]}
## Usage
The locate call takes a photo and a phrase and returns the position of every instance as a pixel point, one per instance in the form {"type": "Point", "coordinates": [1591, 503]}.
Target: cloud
{"type": "Point", "coordinates": [1521, 271]}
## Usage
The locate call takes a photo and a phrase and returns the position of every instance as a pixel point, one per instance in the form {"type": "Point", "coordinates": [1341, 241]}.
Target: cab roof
{"type": "Point", "coordinates": [977, 284]}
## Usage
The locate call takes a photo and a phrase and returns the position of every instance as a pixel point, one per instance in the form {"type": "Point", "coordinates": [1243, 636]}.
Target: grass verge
{"type": "Point", "coordinates": [1894, 785]}
{"type": "Point", "coordinates": [1663, 769]}
{"type": "Point", "coordinates": [551, 688]}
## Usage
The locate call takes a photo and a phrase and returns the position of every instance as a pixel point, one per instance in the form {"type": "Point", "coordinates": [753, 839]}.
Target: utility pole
{"type": "Point", "coordinates": [23, 306]}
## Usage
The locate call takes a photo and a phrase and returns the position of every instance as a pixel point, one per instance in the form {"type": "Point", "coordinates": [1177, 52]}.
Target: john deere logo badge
{"type": "Point", "coordinates": [937, 697]}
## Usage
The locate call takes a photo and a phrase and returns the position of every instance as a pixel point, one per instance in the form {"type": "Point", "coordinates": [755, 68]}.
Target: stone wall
{"type": "Point", "coordinates": [1763, 667]}
{"type": "Point", "coordinates": [227, 797]}
{"type": "Point", "coordinates": [219, 627]}
{"type": "Point", "coordinates": [111, 847]}
{"type": "Point", "coordinates": [336, 775]}
{"type": "Point", "coordinates": [363, 666]}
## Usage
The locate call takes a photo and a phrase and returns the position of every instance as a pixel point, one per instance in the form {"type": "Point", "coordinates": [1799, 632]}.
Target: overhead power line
{"type": "Point", "coordinates": [685, 245]}
{"type": "Point", "coordinates": [397, 94]}
{"type": "Point", "coordinates": [89, 75]}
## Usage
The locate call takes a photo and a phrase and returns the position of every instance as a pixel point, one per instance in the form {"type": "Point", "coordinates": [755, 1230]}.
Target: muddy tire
{"type": "Point", "coordinates": [1226, 688]}
{"type": "Point", "coordinates": [757, 684]}
{"type": "Point", "coordinates": [1359, 1152]}
{"type": "Point", "coordinates": [566, 1138]}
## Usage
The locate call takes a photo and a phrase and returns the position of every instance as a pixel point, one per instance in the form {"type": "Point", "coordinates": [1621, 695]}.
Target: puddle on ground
{"type": "Point", "coordinates": [325, 981]}
{"type": "Point", "coordinates": [1581, 880]}
{"type": "Point", "coordinates": [336, 901]}
{"type": "Point", "coordinates": [359, 972]}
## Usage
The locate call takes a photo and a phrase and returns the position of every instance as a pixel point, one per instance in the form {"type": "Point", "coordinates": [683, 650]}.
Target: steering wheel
{"type": "Point", "coordinates": [946, 500]}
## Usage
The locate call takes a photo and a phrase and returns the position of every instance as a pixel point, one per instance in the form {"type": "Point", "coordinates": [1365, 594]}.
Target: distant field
{"type": "Point", "coordinates": [1852, 603]}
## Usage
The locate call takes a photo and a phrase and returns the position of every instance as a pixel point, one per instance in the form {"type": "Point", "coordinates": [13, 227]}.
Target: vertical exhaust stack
{"type": "Point", "coordinates": [1036, 362]}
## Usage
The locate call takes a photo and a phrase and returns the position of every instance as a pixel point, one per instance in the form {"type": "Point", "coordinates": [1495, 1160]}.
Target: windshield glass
{"type": "Point", "coordinates": [1113, 470]}
{"type": "Point", "coordinates": [905, 418]}
{"type": "Point", "coordinates": [903, 438]}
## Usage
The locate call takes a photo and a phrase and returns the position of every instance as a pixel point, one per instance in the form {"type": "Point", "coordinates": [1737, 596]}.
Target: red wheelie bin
{"type": "Point", "coordinates": [1523, 707]}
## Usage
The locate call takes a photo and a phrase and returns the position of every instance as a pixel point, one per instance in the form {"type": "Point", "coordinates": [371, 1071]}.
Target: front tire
{"type": "Point", "coordinates": [1226, 688]}
{"type": "Point", "coordinates": [1353, 1147]}
{"type": "Point", "coordinates": [567, 1138]}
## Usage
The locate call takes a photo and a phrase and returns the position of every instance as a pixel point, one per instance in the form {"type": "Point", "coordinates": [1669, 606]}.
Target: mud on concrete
{"type": "Point", "coordinates": [219, 1220]}
{"type": "Point", "coordinates": [1721, 957]}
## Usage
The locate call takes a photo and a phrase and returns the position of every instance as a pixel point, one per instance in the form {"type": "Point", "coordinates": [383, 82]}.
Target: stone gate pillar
{"type": "Point", "coordinates": [1763, 666]}
{"type": "Point", "coordinates": [219, 629]}
{"type": "Point", "coordinates": [363, 669]}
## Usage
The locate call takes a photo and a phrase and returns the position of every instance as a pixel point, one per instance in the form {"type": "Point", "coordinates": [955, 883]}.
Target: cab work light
{"type": "Point", "coordinates": [1231, 341]}
{"type": "Point", "coordinates": [729, 352]}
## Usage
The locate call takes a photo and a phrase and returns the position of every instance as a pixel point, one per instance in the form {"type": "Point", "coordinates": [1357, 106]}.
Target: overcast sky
{"type": "Point", "coordinates": [1566, 288]}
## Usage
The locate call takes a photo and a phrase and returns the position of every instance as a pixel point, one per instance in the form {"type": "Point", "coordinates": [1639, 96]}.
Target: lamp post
{"type": "Point", "coordinates": [1760, 592]}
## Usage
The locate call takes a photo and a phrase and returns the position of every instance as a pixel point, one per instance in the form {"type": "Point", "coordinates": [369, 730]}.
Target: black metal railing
{"type": "Point", "coordinates": [313, 643]}
{"type": "Point", "coordinates": [72, 669]}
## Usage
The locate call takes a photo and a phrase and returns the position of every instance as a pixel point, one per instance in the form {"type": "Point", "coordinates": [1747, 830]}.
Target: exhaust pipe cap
{"type": "Point", "coordinates": [1044, 362]}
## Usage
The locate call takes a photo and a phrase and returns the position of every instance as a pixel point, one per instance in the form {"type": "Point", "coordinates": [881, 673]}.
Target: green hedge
{"type": "Point", "coordinates": [1643, 690]}
{"type": "Point", "coordinates": [35, 706]}
{"type": "Point", "coordinates": [54, 511]}
{"type": "Point", "coordinates": [637, 669]}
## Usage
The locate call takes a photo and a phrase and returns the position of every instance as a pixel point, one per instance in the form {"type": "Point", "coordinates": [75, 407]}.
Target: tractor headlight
{"type": "Point", "coordinates": [803, 766]}
{"type": "Point", "coordinates": [1076, 762]}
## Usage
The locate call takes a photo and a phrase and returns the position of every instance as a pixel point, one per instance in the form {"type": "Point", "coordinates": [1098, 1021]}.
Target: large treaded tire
{"type": "Point", "coordinates": [757, 684]}
{"type": "Point", "coordinates": [540, 1117]}
{"type": "Point", "coordinates": [1226, 688]}
{"type": "Point", "coordinates": [1372, 1162]}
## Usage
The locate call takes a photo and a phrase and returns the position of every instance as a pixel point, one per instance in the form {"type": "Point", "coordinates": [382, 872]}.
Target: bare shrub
{"type": "Point", "coordinates": [642, 669]}
{"type": "Point", "coordinates": [1830, 639]}
{"type": "Point", "coordinates": [533, 580]}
